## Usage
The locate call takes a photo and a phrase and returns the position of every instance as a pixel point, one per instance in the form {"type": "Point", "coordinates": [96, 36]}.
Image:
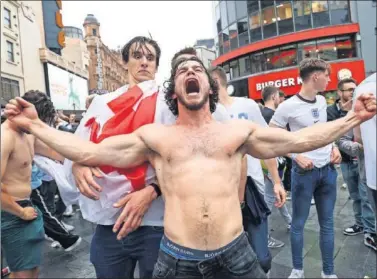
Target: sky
{"type": "Point", "coordinates": [173, 24]}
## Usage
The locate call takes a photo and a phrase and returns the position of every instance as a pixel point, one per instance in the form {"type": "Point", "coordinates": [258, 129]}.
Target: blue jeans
{"type": "Point", "coordinates": [239, 261]}
{"type": "Point", "coordinates": [114, 258]}
{"type": "Point", "coordinates": [357, 188]}
{"type": "Point", "coordinates": [258, 238]}
{"type": "Point", "coordinates": [320, 182]}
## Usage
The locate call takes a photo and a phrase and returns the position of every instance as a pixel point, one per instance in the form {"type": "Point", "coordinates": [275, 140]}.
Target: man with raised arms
{"type": "Point", "coordinates": [198, 165]}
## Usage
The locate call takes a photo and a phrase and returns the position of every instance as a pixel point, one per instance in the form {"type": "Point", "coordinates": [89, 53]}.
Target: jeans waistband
{"type": "Point", "coordinates": [183, 253]}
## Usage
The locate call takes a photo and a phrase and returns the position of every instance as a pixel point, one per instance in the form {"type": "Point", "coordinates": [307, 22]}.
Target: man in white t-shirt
{"type": "Point", "coordinates": [366, 134]}
{"type": "Point", "coordinates": [243, 108]}
{"type": "Point", "coordinates": [313, 173]}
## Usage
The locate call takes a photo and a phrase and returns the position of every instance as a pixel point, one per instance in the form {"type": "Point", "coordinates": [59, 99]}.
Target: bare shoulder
{"type": "Point", "coordinates": [8, 137]}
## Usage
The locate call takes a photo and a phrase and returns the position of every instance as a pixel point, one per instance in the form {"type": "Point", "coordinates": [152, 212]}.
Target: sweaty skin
{"type": "Point", "coordinates": [197, 160]}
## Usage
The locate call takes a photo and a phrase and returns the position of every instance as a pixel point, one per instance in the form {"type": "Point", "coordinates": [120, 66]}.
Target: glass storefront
{"type": "Point", "coordinates": [268, 18]}
{"type": "Point", "coordinates": [328, 49]}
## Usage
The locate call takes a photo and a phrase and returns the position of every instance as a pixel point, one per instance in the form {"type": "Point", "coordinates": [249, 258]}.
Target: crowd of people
{"type": "Point", "coordinates": [182, 180]}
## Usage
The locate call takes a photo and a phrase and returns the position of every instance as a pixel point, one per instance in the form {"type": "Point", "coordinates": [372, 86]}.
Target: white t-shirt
{"type": "Point", "coordinates": [243, 108]}
{"type": "Point", "coordinates": [300, 113]}
{"type": "Point", "coordinates": [368, 133]}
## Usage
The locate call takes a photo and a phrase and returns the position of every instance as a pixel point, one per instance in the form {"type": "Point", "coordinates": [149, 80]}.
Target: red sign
{"type": "Point", "coordinates": [290, 82]}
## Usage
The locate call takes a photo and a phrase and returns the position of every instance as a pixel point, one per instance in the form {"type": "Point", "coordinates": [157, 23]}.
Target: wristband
{"type": "Point", "coordinates": [156, 189]}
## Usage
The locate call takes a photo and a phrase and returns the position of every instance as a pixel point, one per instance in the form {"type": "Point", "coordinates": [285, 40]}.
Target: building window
{"type": "Point", "coordinates": [326, 49]}
{"type": "Point", "coordinates": [9, 89]}
{"type": "Point", "coordinates": [339, 11]}
{"type": "Point", "coordinates": [269, 22]}
{"type": "Point", "coordinates": [241, 9]}
{"type": "Point", "coordinates": [288, 55]}
{"type": "Point", "coordinates": [254, 20]}
{"type": "Point", "coordinates": [243, 35]}
{"type": "Point", "coordinates": [234, 69]}
{"type": "Point", "coordinates": [284, 17]}
{"type": "Point", "coordinates": [257, 62]}
{"type": "Point", "coordinates": [306, 50]}
{"type": "Point", "coordinates": [233, 36]}
{"type": "Point", "coordinates": [302, 10]}
{"type": "Point", "coordinates": [272, 59]}
{"type": "Point", "coordinates": [320, 12]}
{"type": "Point", "coordinates": [245, 65]}
{"type": "Point", "coordinates": [224, 18]}
{"type": "Point", "coordinates": [221, 44]}
{"type": "Point", "coordinates": [218, 18]}
{"type": "Point", "coordinates": [94, 32]}
{"type": "Point", "coordinates": [226, 42]}
{"type": "Point", "coordinates": [345, 47]}
{"type": "Point", "coordinates": [10, 52]}
{"type": "Point", "coordinates": [231, 8]}
{"type": "Point", "coordinates": [7, 18]}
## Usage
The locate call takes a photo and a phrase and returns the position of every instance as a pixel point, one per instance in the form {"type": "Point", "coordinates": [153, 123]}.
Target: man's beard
{"type": "Point", "coordinates": [193, 107]}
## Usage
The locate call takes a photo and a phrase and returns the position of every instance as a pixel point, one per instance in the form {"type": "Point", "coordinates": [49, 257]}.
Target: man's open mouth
{"type": "Point", "coordinates": [192, 86]}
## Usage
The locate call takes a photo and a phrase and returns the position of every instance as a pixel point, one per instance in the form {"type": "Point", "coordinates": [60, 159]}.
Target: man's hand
{"type": "Point", "coordinates": [365, 107]}
{"type": "Point", "coordinates": [135, 206]}
{"type": "Point", "coordinates": [304, 162]}
{"type": "Point", "coordinates": [336, 157]}
{"type": "Point", "coordinates": [28, 213]}
{"type": "Point", "coordinates": [85, 181]}
{"type": "Point", "coordinates": [280, 195]}
{"type": "Point", "coordinates": [21, 112]}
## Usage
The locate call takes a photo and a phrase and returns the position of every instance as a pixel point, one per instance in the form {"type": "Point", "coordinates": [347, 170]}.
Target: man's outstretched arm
{"type": "Point", "coordinates": [265, 143]}
{"type": "Point", "coordinates": [119, 151]}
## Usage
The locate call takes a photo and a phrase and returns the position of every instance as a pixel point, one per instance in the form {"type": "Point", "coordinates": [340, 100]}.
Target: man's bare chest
{"type": "Point", "coordinates": [22, 154]}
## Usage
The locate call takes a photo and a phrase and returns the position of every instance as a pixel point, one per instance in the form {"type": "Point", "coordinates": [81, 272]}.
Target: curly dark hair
{"type": "Point", "coordinates": [170, 87]}
{"type": "Point", "coordinates": [184, 51]}
{"type": "Point", "coordinates": [43, 105]}
{"type": "Point", "coordinates": [141, 41]}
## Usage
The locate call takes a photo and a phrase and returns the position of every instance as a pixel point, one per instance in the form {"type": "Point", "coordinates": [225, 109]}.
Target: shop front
{"type": "Point", "coordinates": [290, 82]}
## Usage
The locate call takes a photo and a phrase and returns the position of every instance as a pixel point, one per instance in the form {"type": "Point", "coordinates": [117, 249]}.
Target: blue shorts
{"type": "Point", "coordinates": [22, 241]}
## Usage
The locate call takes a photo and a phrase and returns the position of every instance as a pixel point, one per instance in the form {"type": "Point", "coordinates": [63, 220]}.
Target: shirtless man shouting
{"type": "Point", "coordinates": [22, 232]}
{"type": "Point", "coordinates": [198, 165]}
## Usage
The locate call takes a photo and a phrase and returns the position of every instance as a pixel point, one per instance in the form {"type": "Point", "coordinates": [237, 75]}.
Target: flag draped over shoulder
{"type": "Point", "coordinates": [120, 112]}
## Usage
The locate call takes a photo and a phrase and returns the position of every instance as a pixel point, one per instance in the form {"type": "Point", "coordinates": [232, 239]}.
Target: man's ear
{"type": "Point", "coordinates": [174, 96]}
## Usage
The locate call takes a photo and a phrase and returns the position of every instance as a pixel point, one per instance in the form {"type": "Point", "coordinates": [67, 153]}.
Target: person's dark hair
{"type": "Point", "coordinates": [344, 81]}
{"type": "Point", "coordinates": [43, 105]}
{"type": "Point", "coordinates": [184, 51]}
{"type": "Point", "coordinates": [221, 73]}
{"type": "Point", "coordinates": [310, 65]}
{"type": "Point", "coordinates": [268, 92]}
{"type": "Point", "coordinates": [170, 87]}
{"type": "Point", "coordinates": [141, 42]}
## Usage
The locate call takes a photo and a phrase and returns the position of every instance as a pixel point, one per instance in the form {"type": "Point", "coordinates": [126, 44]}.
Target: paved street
{"type": "Point", "coordinates": [352, 258]}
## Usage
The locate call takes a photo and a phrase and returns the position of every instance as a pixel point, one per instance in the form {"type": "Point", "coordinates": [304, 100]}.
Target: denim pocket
{"type": "Point", "coordinates": [243, 263]}
{"type": "Point", "coordinates": [161, 270]}
{"type": "Point", "coordinates": [299, 170]}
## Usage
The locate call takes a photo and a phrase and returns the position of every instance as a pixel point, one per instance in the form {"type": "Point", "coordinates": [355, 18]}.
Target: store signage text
{"type": "Point", "coordinates": [280, 83]}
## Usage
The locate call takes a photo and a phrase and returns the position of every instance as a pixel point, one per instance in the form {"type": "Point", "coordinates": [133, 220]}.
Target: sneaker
{"type": "Point", "coordinates": [323, 275]}
{"type": "Point", "coordinates": [353, 230]}
{"type": "Point", "coordinates": [296, 273]}
{"type": "Point", "coordinates": [312, 202]}
{"type": "Point", "coordinates": [68, 212]}
{"type": "Point", "coordinates": [74, 245]}
{"type": "Point", "coordinates": [55, 244]}
{"type": "Point", "coordinates": [68, 227]}
{"type": "Point", "coordinates": [370, 240]}
{"type": "Point", "coordinates": [274, 243]}
{"type": "Point", "coordinates": [268, 274]}
{"type": "Point", "coordinates": [48, 238]}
